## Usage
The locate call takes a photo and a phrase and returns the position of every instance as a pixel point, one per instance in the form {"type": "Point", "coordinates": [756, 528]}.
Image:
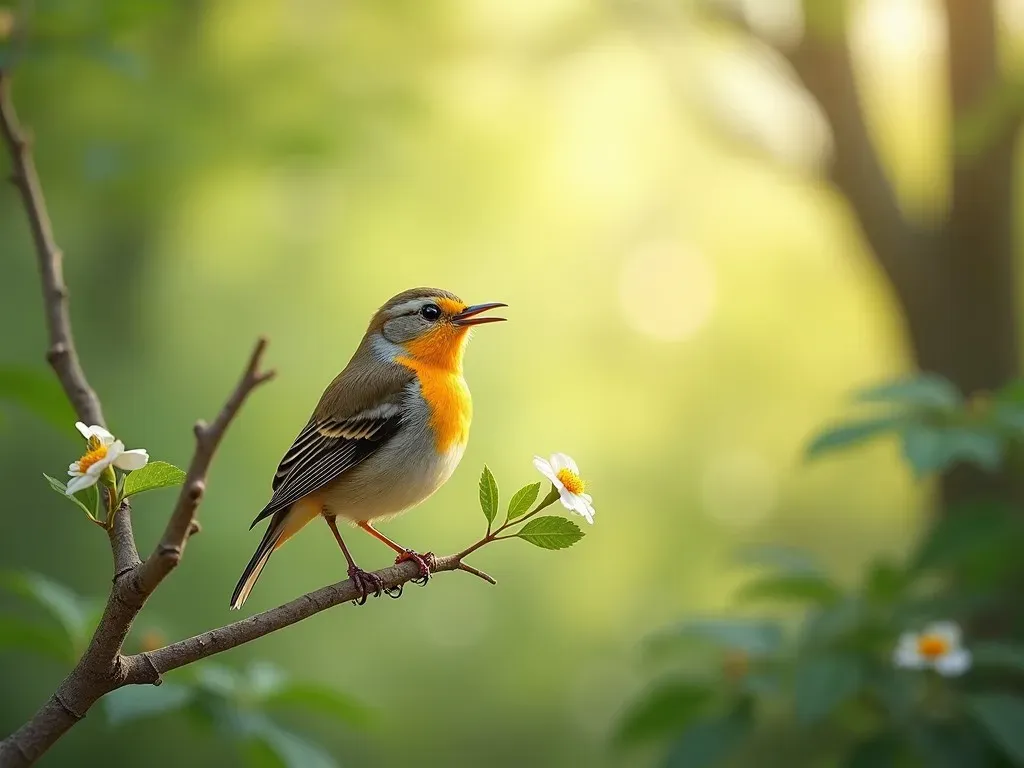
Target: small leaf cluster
{"type": "Point", "coordinates": [936, 426]}
{"type": "Point", "coordinates": [546, 532]}
{"type": "Point", "coordinates": [724, 683]}
{"type": "Point", "coordinates": [156, 474]}
{"type": "Point", "coordinates": [819, 686]}
{"type": "Point", "coordinates": [243, 707]}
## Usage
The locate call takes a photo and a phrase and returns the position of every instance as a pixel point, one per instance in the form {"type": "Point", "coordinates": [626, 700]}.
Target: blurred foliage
{"type": "Point", "coordinates": [937, 429]}
{"type": "Point", "coordinates": [826, 675]}
{"type": "Point", "coordinates": [238, 706]}
{"type": "Point", "coordinates": [684, 315]}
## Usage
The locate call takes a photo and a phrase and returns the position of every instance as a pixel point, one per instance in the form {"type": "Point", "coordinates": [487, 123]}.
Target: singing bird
{"type": "Point", "coordinates": [387, 432]}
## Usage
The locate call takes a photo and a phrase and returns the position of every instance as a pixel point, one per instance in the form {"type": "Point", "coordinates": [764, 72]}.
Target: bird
{"type": "Point", "coordinates": [388, 431]}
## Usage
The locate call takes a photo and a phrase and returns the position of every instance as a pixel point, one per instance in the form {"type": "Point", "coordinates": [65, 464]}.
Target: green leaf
{"type": "Point", "coordinates": [1002, 656]}
{"type": "Point", "coordinates": [827, 625]}
{"type": "Point", "coordinates": [758, 637]}
{"type": "Point", "coordinates": [321, 699]}
{"type": "Point", "coordinates": [69, 610]}
{"type": "Point", "coordinates": [796, 587]}
{"type": "Point", "coordinates": [488, 495]}
{"type": "Point", "coordinates": [219, 681]}
{"type": "Point", "coordinates": [823, 683]}
{"type": "Point", "coordinates": [156, 474]}
{"type": "Point", "coordinates": [19, 635]}
{"type": "Point", "coordinates": [62, 489]}
{"type": "Point", "coordinates": [38, 392]}
{"type": "Point", "coordinates": [1002, 717]}
{"type": "Point", "coordinates": [289, 750]}
{"type": "Point", "coordinates": [709, 741]}
{"type": "Point", "coordinates": [931, 449]}
{"type": "Point", "coordinates": [925, 391]}
{"type": "Point", "coordinates": [521, 502]}
{"type": "Point", "coordinates": [851, 433]}
{"type": "Point", "coordinates": [779, 557]}
{"type": "Point", "coordinates": [135, 702]}
{"type": "Point", "coordinates": [550, 532]}
{"type": "Point", "coordinates": [965, 535]}
{"type": "Point", "coordinates": [885, 581]}
{"type": "Point", "coordinates": [662, 711]}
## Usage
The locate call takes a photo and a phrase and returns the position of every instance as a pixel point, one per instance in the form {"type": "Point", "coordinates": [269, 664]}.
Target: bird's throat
{"type": "Point", "coordinates": [443, 349]}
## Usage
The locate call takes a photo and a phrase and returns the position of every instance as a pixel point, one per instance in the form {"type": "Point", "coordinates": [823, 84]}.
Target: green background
{"type": "Point", "coordinates": [684, 314]}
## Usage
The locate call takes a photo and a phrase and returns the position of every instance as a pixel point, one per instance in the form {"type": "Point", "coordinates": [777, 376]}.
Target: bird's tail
{"type": "Point", "coordinates": [271, 541]}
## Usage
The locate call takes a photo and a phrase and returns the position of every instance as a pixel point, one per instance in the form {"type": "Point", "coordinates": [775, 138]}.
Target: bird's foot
{"type": "Point", "coordinates": [365, 583]}
{"type": "Point", "coordinates": [424, 562]}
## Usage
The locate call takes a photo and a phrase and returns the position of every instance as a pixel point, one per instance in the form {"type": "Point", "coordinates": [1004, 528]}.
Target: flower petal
{"type": "Point", "coordinates": [545, 468]}
{"type": "Point", "coordinates": [131, 460]}
{"type": "Point", "coordinates": [567, 499]}
{"type": "Point", "coordinates": [96, 469]}
{"type": "Point", "coordinates": [909, 658]}
{"type": "Point", "coordinates": [584, 509]}
{"type": "Point", "coordinates": [565, 461]}
{"type": "Point", "coordinates": [953, 663]}
{"type": "Point", "coordinates": [907, 655]}
{"type": "Point", "coordinates": [80, 483]}
{"type": "Point", "coordinates": [95, 430]}
{"type": "Point", "coordinates": [948, 630]}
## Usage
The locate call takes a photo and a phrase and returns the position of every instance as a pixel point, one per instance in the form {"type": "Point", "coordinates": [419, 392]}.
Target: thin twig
{"type": "Point", "coordinates": [167, 554]}
{"type": "Point", "coordinates": [103, 668]}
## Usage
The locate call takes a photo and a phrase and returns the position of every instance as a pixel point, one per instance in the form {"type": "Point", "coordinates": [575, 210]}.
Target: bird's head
{"type": "Point", "coordinates": [429, 325]}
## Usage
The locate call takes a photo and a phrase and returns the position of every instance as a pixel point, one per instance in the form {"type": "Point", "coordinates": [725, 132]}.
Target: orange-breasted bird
{"type": "Point", "coordinates": [388, 431]}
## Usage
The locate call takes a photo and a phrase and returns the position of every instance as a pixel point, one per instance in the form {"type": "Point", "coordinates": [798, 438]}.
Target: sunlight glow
{"type": "Point", "coordinates": [666, 291]}
{"type": "Point", "coordinates": [1011, 12]}
{"type": "Point", "coordinates": [756, 100]}
{"type": "Point", "coordinates": [896, 32]}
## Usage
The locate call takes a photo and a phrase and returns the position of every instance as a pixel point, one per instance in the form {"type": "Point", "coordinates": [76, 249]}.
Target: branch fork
{"type": "Point", "coordinates": [103, 667]}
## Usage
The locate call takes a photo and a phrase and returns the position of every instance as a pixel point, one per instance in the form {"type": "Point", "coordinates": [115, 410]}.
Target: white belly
{"type": "Point", "coordinates": [401, 474]}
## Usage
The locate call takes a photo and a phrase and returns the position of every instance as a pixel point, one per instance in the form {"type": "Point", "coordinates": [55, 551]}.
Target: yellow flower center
{"type": "Point", "coordinates": [932, 646]}
{"type": "Point", "coordinates": [572, 482]}
{"type": "Point", "coordinates": [97, 450]}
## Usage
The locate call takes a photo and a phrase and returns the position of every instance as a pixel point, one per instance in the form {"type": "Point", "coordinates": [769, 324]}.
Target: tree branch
{"type": "Point", "coordinates": [61, 353]}
{"type": "Point", "coordinates": [167, 554]}
{"type": "Point", "coordinates": [103, 668]}
{"type": "Point", "coordinates": [148, 667]}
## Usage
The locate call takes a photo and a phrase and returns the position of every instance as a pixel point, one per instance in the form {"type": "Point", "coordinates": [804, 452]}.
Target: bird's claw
{"type": "Point", "coordinates": [365, 583]}
{"type": "Point", "coordinates": [424, 562]}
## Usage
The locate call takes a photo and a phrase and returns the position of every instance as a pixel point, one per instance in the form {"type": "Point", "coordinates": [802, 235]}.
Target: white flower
{"type": "Point", "coordinates": [102, 451]}
{"type": "Point", "coordinates": [565, 476]}
{"type": "Point", "coordinates": [937, 647]}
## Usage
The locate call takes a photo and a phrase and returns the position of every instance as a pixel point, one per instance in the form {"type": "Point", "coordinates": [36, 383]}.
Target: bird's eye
{"type": "Point", "coordinates": [431, 312]}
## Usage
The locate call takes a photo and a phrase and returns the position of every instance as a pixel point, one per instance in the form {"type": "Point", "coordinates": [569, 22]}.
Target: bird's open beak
{"type": "Point", "coordinates": [469, 316]}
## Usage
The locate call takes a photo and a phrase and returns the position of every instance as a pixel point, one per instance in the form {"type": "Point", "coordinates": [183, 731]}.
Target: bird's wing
{"type": "Point", "coordinates": [331, 443]}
